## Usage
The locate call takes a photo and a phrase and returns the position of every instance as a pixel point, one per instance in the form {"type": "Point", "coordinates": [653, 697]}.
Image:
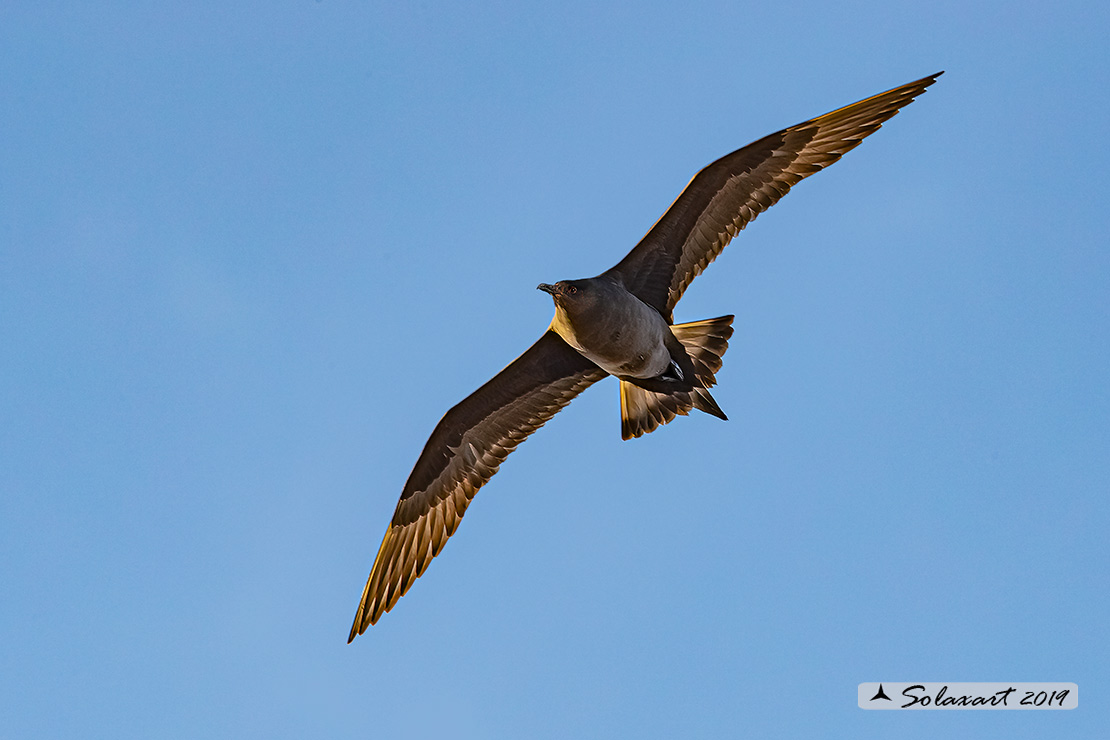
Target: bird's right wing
{"type": "Point", "coordinates": [465, 450]}
{"type": "Point", "coordinates": [729, 193]}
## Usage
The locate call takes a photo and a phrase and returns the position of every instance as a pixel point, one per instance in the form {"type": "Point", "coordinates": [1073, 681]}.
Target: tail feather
{"type": "Point", "coordinates": [642, 411]}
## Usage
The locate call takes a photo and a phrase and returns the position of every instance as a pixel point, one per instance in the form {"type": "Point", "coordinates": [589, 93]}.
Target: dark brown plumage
{"type": "Point", "coordinates": [665, 369]}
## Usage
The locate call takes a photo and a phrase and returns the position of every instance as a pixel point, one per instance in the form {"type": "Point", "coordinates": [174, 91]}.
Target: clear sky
{"type": "Point", "coordinates": [251, 252]}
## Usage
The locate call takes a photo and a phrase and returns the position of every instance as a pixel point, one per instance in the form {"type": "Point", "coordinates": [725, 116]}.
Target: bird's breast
{"type": "Point", "coordinates": [622, 338]}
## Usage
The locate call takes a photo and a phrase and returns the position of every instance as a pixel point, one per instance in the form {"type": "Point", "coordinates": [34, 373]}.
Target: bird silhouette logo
{"type": "Point", "coordinates": [880, 694]}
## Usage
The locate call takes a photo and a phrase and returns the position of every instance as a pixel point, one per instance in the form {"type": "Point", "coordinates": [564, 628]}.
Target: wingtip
{"type": "Point", "coordinates": [355, 631]}
{"type": "Point", "coordinates": [928, 80]}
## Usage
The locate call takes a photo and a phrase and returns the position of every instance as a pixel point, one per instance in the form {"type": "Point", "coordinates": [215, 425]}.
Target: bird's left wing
{"type": "Point", "coordinates": [729, 193]}
{"type": "Point", "coordinates": [465, 450]}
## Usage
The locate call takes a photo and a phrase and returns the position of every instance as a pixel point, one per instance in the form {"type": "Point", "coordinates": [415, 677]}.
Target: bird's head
{"type": "Point", "coordinates": [570, 294]}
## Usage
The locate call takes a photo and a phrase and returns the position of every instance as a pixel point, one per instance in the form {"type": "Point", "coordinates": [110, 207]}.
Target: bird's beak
{"type": "Point", "coordinates": [546, 288]}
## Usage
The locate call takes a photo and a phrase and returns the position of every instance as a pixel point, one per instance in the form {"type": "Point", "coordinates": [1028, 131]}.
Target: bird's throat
{"type": "Point", "coordinates": [561, 325]}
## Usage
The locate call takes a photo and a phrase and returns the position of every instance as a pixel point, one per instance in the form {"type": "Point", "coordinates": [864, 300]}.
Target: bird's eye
{"type": "Point", "coordinates": [572, 290]}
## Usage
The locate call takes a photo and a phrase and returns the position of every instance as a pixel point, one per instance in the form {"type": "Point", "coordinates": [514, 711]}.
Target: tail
{"type": "Point", "coordinates": [705, 342]}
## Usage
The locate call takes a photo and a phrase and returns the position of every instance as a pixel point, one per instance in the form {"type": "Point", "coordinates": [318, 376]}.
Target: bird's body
{"type": "Point", "coordinates": [619, 323]}
{"type": "Point", "coordinates": [610, 326]}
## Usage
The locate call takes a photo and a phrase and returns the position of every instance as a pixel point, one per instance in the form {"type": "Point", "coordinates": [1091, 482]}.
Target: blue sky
{"type": "Point", "coordinates": [250, 253]}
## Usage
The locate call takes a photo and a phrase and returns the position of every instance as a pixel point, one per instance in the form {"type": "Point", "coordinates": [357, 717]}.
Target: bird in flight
{"type": "Point", "coordinates": [618, 323]}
